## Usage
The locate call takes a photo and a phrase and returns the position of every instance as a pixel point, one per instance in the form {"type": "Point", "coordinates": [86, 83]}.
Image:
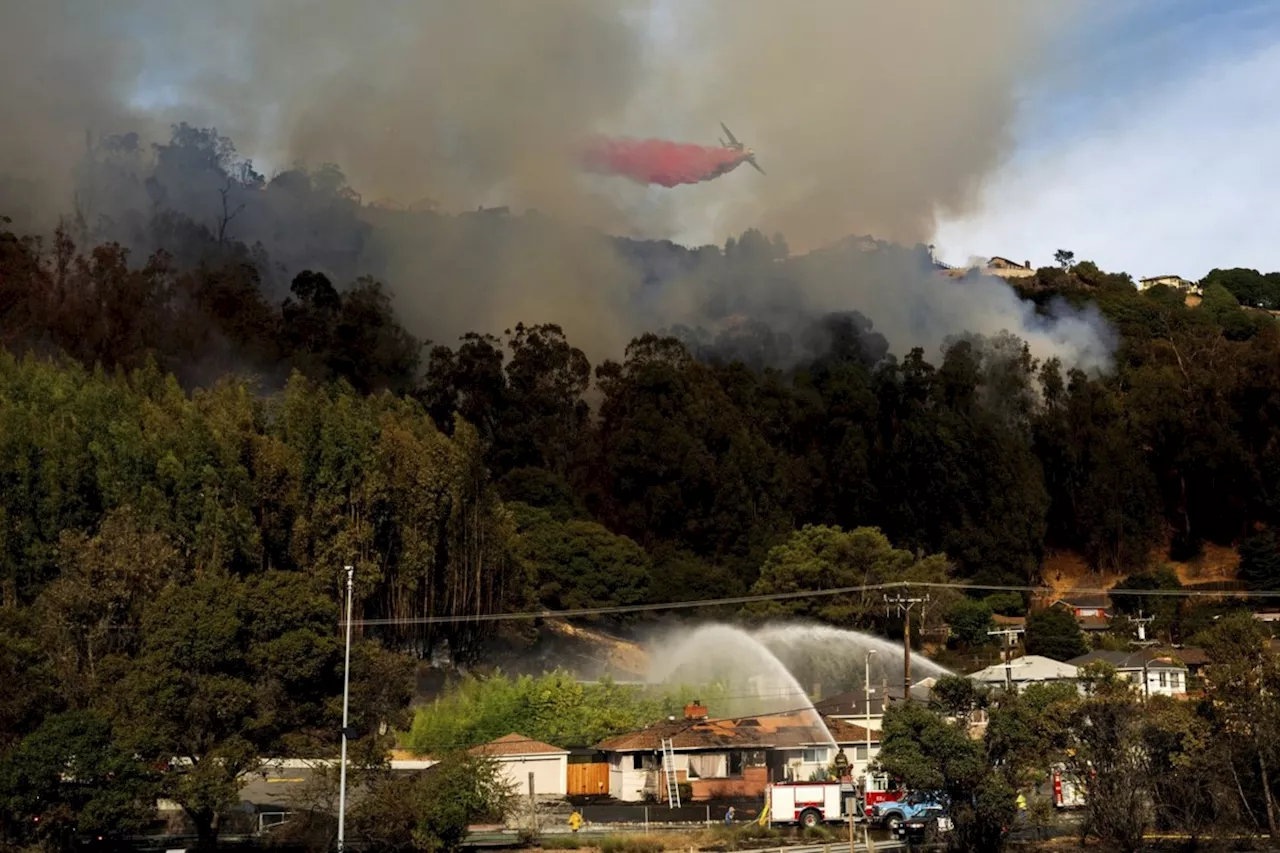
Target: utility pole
{"type": "Point", "coordinates": [346, 696]}
{"type": "Point", "coordinates": [1007, 635]}
{"type": "Point", "coordinates": [904, 607]}
{"type": "Point", "coordinates": [1142, 643]}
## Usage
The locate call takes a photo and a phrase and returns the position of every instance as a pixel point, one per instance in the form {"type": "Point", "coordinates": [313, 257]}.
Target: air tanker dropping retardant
{"type": "Point", "coordinates": [668, 164]}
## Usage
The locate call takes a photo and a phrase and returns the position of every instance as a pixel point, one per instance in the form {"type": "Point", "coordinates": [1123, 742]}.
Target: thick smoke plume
{"type": "Point", "coordinates": [873, 117]}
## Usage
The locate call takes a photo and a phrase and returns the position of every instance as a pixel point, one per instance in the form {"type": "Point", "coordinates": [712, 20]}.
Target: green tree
{"type": "Point", "coordinates": [819, 557]}
{"type": "Point", "coordinates": [1108, 751]}
{"type": "Point", "coordinates": [1053, 633]}
{"type": "Point", "coordinates": [1064, 258]}
{"type": "Point", "coordinates": [1260, 560]}
{"type": "Point", "coordinates": [928, 753]}
{"type": "Point", "coordinates": [575, 564]}
{"type": "Point", "coordinates": [1242, 681]}
{"type": "Point", "coordinates": [1006, 604]}
{"type": "Point", "coordinates": [227, 669]}
{"type": "Point", "coordinates": [970, 620]}
{"type": "Point", "coordinates": [431, 811]}
{"type": "Point", "coordinates": [74, 775]}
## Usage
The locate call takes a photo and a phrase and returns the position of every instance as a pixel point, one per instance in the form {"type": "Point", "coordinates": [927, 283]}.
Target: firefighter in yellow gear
{"type": "Point", "coordinates": [575, 821]}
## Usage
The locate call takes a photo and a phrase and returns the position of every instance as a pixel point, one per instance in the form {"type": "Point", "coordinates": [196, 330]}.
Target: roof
{"type": "Point", "coordinates": [994, 258]}
{"type": "Point", "coordinates": [852, 703]}
{"type": "Point", "coordinates": [1028, 668]}
{"type": "Point", "coordinates": [763, 732]}
{"type": "Point", "coordinates": [516, 744]}
{"type": "Point", "coordinates": [1014, 621]}
{"type": "Point", "coordinates": [1129, 660]}
{"type": "Point", "coordinates": [1190, 655]}
{"type": "Point", "coordinates": [1084, 599]}
{"type": "Point", "coordinates": [1158, 277]}
{"type": "Point", "coordinates": [1093, 623]}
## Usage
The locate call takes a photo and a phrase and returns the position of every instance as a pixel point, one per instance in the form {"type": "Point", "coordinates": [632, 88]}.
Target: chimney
{"type": "Point", "coordinates": [1027, 265]}
{"type": "Point", "coordinates": [695, 710]}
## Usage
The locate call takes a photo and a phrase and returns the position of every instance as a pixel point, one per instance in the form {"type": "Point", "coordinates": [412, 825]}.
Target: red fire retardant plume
{"type": "Point", "coordinates": [656, 161]}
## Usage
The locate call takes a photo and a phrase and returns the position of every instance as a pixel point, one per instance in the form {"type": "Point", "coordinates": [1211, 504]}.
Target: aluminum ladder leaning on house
{"type": "Point", "coordinates": [669, 771]}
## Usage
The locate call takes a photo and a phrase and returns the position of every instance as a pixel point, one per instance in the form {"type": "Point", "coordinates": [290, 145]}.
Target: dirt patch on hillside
{"type": "Point", "coordinates": [1064, 571]}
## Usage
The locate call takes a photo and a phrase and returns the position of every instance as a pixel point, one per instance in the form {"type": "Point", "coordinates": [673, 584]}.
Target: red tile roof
{"type": "Point", "coordinates": [514, 744]}
{"type": "Point", "coordinates": [762, 732]}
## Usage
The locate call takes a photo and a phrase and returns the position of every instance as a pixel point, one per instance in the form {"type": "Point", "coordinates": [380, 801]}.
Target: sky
{"type": "Point", "coordinates": [1151, 149]}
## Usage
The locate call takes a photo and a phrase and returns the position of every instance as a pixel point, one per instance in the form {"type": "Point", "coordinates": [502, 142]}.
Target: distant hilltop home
{"type": "Point", "coordinates": [996, 265]}
{"type": "Point", "coordinates": [1176, 282]}
{"type": "Point", "coordinates": [1006, 268]}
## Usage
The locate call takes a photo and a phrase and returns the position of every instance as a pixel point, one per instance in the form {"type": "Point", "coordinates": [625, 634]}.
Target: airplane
{"type": "Point", "coordinates": [748, 156]}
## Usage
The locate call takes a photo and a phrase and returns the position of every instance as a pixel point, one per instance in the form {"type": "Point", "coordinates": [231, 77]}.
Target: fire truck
{"type": "Point", "coordinates": [1068, 792]}
{"type": "Point", "coordinates": [810, 803]}
{"type": "Point", "coordinates": [879, 789]}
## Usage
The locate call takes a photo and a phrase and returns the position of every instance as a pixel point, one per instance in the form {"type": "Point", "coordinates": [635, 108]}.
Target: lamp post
{"type": "Point", "coordinates": [866, 690]}
{"type": "Point", "coordinates": [346, 696]}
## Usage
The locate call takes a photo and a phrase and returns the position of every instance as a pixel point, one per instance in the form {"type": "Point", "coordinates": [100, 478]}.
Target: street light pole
{"type": "Point", "coordinates": [346, 696]}
{"type": "Point", "coordinates": [866, 690]}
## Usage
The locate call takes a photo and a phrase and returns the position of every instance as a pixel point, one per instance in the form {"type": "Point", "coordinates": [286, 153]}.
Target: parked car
{"type": "Point", "coordinates": [893, 812]}
{"type": "Point", "coordinates": [926, 826]}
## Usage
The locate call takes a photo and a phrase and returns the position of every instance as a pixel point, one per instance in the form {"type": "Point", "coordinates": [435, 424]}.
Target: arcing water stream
{"type": "Point", "coordinates": [762, 671]}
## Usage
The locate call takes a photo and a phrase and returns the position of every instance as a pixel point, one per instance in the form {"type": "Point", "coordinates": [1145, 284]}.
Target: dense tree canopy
{"type": "Point", "coordinates": [200, 428]}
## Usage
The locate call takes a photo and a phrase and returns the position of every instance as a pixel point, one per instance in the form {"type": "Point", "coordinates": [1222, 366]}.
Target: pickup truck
{"type": "Point", "coordinates": [892, 813]}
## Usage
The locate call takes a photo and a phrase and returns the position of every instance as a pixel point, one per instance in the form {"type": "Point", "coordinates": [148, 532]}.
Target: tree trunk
{"type": "Point", "coordinates": [206, 822]}
{"type": "Point", "coordinates": [1266, 790]}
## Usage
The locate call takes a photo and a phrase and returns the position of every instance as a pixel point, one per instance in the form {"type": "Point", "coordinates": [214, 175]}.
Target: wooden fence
{"type": "Point", "coordinates": [588, 780]}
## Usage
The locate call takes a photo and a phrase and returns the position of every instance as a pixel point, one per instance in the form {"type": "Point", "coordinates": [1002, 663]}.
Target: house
{"type": "Point", "coordinates": [1086, 604]}
{"type": "Point", "coordinates": [851, 705]}
{"type": "Point", "coordinates": [1026, 670]}
{"type": "Point", "coordinates": [1006, 268]}
{"type": "Point", "coordinates": [1164, 675]}
{"type": "Point", "coordinates": [524, 761]}
{"type": "Point", "coordinates": [1092, 610]}
{"type": "Point", "coordinates": [733, 757]}
{"type": "Point", "coordinates": [1176, 282]}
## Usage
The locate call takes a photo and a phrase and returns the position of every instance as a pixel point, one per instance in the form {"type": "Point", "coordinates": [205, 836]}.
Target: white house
{"type": "Point", "coordinates": [1026, 670]}
{"type": "Point", "coordinates": [1164, 675]}
{"type": "Point", "coordinates": [518, 757]}
{"type": "Point", "coordinates": [1176, 282]}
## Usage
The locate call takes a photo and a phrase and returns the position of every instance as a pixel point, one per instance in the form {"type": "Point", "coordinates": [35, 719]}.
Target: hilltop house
{"type": "Point", "coordinates": [1163, 674]}
{"type": "Point", "coordinates": [732, 757]}
{"type": "Point", "coordinates": [1176, 282]}
{"type": "Point", "coordinates": [1006, 268]}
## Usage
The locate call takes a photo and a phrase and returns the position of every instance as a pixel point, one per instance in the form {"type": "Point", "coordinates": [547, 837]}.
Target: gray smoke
{"type": "Point", "coordinates": [870, 117]}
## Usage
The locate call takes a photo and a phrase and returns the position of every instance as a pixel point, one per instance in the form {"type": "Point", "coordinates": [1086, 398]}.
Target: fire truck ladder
{"type": "Point", "coordinates": [669, 771]}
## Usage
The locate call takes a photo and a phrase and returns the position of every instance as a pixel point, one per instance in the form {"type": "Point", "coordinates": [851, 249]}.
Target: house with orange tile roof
{"type": "Point", "coordinates": [732, 758]}
{"type": "Point", "coordinates": [524, 761]}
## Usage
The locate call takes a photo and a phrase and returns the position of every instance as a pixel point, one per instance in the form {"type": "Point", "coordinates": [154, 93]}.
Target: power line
{"type": "Point", "coordinates": [815, 593]}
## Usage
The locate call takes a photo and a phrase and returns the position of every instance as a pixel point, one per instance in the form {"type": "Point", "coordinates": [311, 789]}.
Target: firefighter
{"type": "Point", "coordinates": [575, 821]}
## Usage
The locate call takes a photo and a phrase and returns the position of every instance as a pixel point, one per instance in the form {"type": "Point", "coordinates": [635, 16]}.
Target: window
{"type": "Point", "coordinates": [1176, 680]}
{"type": "Point", "coordinates": [860, 753]}
{"type": "Point", "coordinates": [1164, 679]}
{"type": "Point", "coordinates": [637, 761]}
{"type": "Point", "coordinates": [815, 756]}
{"type": "Point", "coordinates": [735, 764]}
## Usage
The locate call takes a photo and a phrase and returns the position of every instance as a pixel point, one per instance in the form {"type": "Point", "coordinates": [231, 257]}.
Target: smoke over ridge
{"type": "Point", "coordinates": [870, 117]}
